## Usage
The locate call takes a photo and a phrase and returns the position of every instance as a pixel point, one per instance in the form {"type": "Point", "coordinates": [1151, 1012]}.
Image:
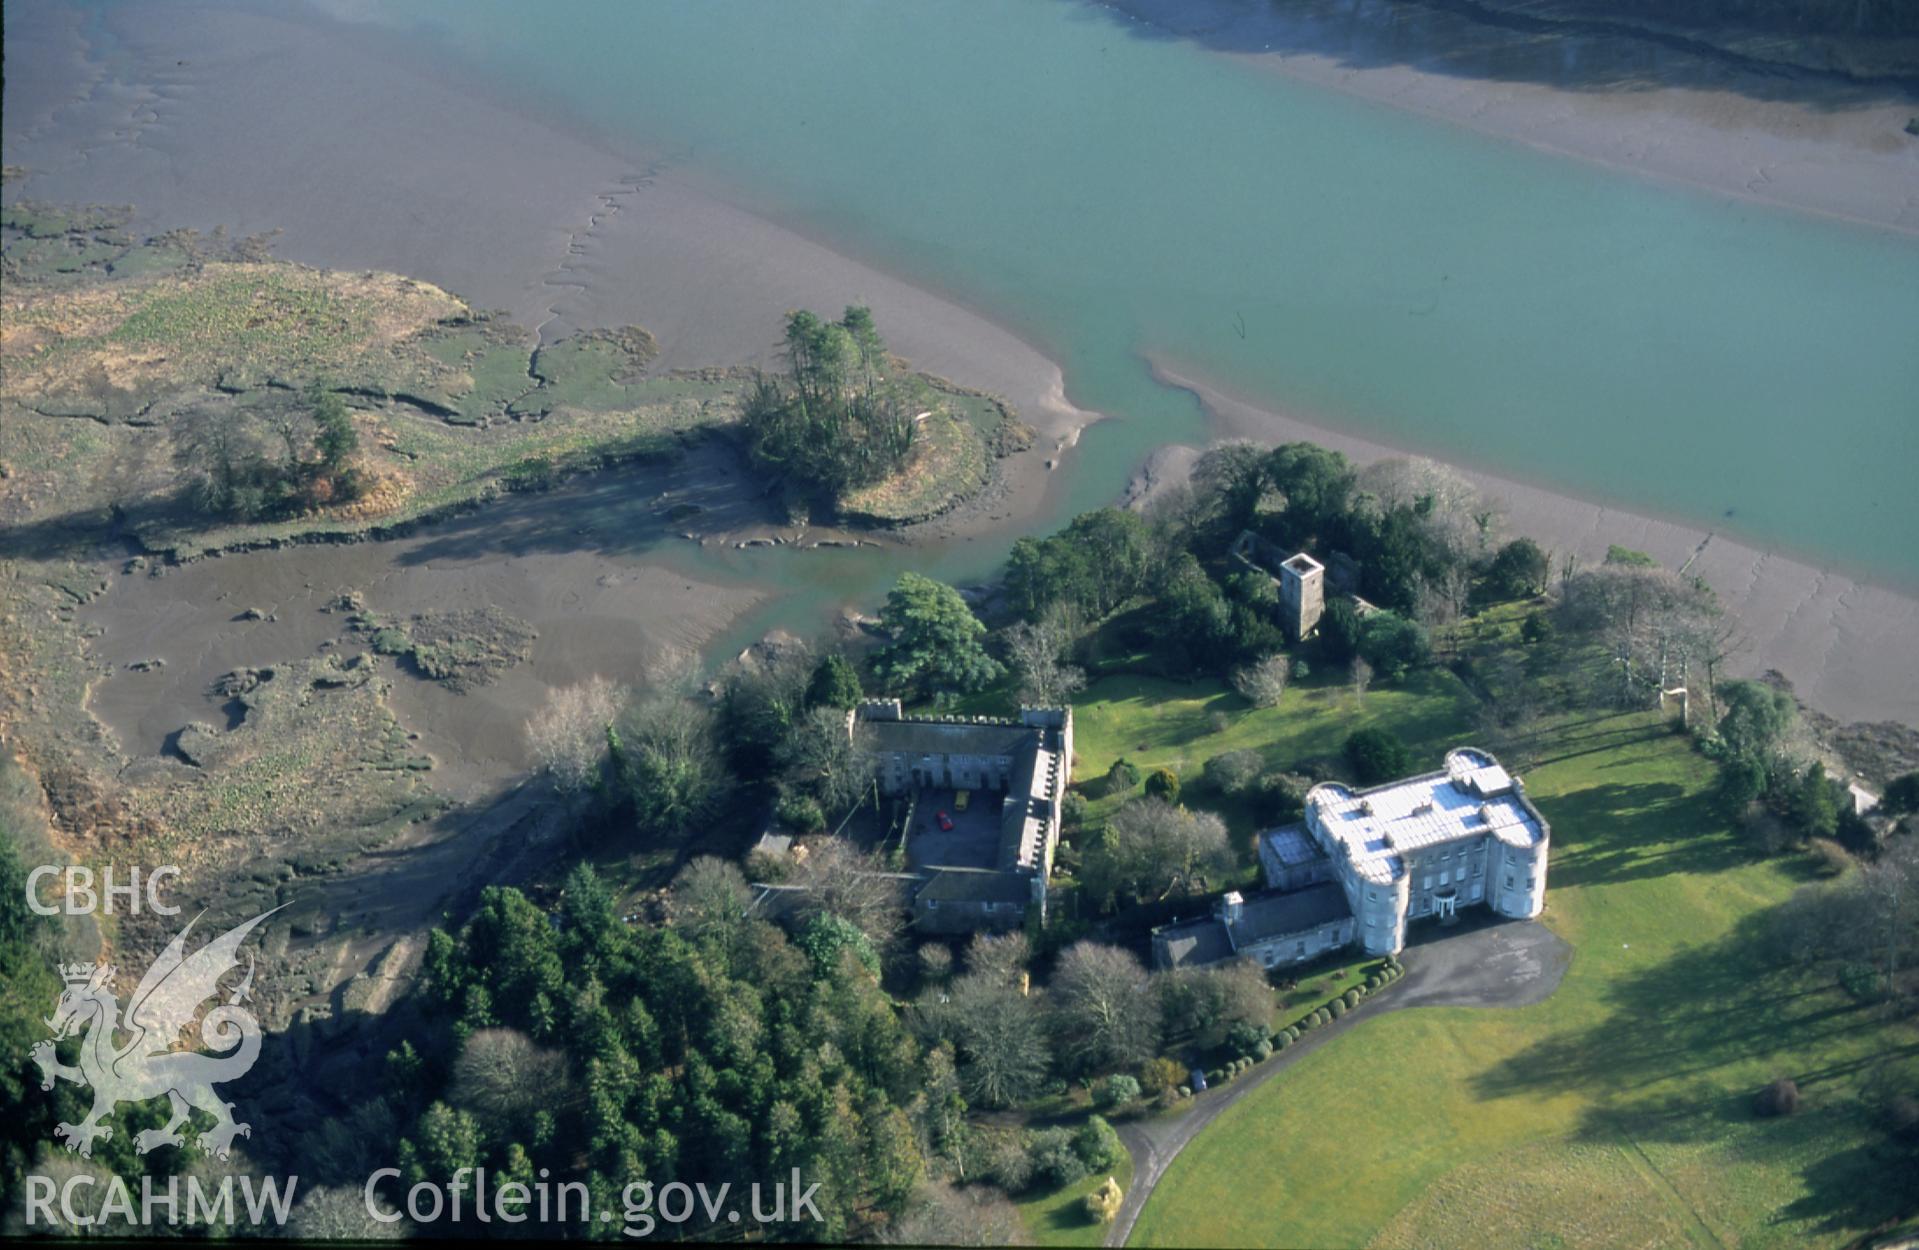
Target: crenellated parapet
{"type": "Point", "coordinates": [1426, 846]}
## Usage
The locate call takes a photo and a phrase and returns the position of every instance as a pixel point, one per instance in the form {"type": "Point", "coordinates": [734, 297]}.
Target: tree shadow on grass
{"type": "Point", "coordinates": [1685, 1045]}
{"type": "Point", "coordinates": [1150, 722]}
{"type": "Point", "coordinates": [1682, 1018]}
{"type": "Point", "coordinates": [1847, 1189]}
{"type": "Point", "coordinates": [1633, 831]}
{"type": "Point", "coordinates": [1575, 746]}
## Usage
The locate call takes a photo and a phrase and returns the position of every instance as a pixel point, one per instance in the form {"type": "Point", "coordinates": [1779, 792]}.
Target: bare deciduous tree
{"type": "Point", "coordinates": [1037, 651]}
{"type": "Point", "coordinates": [1001, 957]}
{"type": "Point", "coordinates": [1235, 772]}
{"type": "Point", "coordinates": [568, 732]}
{"type": "Point", "coordinates": [1262, 682]}
{"type": "Point", "coordinates": [945, 1215]}
{"type": "Point", "coordinates": [1441, 599]}
{"type": "Point", "coordinates": [712, 901]}
{"type": "Point", "coordinates": [1868, 916]}
{"type": "Point", "coordinates": [1720, 641]}
{"type": "Point", "coordinates": [1153, 848]}
{"type": "Point", "coordinates": [1209, 1002]}
{"type": "Point", "coordinates": [1103, 1008]}
{"type": "Point", "coordinates": [821, 757]}
{"type": "Point", "coordinates": [841, 880]}
{"type": "Point", "coordinates": [504, 1075]}
{"type": "Point", "coordinates": [1889, 889]}
{"type": "Point", "coordinates": [1453, 514]}
{"type": "Point", "coordinates": [1658, 626]}
{"type": "Point", "coordinates": [1001, 1038]}
{"type": "Point", "coordinates": [339, 1213]}
{"type": "Point", "coordinates": [1362, 676]}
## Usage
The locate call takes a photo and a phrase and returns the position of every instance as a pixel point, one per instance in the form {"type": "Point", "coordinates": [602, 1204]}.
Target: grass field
{"type": "Point", "coordinates": [950, 461]}
{"type": "Point", "coordinates": [108, 377]}
{"type": "Point", "coordinates": [1325, 980]}
{"type": "Point", "coordinates": [947, 463]}
{"type": "Point", "coordinates": [1617, 1113]}
{"type": "Point", "coordinates": [1159, 723]}
{"type": "Point", "coordinates": [1059, 1218]}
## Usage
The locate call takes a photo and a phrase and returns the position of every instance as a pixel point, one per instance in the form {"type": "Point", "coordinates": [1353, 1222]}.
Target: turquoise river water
{"type": "Point", "coordinates": [1105, 194]}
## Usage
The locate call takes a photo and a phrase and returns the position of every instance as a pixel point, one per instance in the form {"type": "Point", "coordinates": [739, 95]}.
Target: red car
{"type": "Point", "coordinates": [946, 822]}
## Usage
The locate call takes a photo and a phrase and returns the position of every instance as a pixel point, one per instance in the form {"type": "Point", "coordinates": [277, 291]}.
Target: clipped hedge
{"type": "Point", "coordinates": [1352, 998]}
{"type": "Point", "coordinates": [1262, 1050]}
{"type": "Point", "coordinates": [1097, 1144]}
{"type": "Point", "coordinates": [1336, 1008]}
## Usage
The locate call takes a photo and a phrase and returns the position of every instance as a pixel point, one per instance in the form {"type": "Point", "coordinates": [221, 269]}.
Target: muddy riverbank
{"type": "Point", "coordinates": [596, 569]}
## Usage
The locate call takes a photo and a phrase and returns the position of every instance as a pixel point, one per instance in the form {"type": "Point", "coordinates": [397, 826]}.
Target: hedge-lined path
{"type": "Point", "coordinates": [1495, 964]}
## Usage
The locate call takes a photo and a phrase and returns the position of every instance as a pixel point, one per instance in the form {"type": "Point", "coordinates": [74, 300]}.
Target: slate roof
{"type": "Point", "coordinates": [975, 885]}
{"type": "Point", "coordinates": [919, 737]}
{"type": "Point", "coordinates": [1292, 845]}
{"type": "Point", "coordinates": [1265, 917]}
{"type": "Point", "coordinates": [1194, 943]}
{"type": "Point", "coordinates": [1275, 915]}
{"type": "Point", "coordinates": [1029, 804]}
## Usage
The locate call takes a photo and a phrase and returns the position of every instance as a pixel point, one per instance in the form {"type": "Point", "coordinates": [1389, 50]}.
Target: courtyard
{"type": "Point", "coordinates": [972, 842]}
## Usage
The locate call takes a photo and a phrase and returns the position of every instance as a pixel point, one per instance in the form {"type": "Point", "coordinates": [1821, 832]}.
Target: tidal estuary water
{"type": "Point", "coordinates": [1107, 191]}
{"type": "Point", "coordinates": [1110, 193]}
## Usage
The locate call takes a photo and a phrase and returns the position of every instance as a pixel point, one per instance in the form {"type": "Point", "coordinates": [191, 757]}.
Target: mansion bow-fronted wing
{"type": "Point", "coordinates": [1363, 864]}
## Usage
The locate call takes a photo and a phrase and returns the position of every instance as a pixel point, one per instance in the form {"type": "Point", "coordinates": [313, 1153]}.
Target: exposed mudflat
{"type": "Point", "coordinates": [359, 150]}
{"type": "Point", "coordinates": [1817, 143]}
{"type": "Point", "coordinates": [594, 567]}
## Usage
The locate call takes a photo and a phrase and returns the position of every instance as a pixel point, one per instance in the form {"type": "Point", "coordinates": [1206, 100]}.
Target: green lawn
{"type": "Point", "coordinates": [1059, 1218]}
{"type": "Point", "coordinates": [1155, 722]}
{"type": "Point", "coordinates": [1321, 982]}
{"type": "Point", "coordinates": [1614, 1114]}
{"type": "Point", "coordinates": [948, 462]}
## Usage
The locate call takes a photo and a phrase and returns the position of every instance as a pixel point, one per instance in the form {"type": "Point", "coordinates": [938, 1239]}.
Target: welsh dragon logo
{"type": "Point", "coordinates": [145, 1066]}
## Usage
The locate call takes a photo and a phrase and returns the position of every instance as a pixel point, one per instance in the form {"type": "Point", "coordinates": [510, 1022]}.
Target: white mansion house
{"type": "Point", "coordinates": [1363, 863]}
{"type": "Point", "coordinates": [1429, 845]}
